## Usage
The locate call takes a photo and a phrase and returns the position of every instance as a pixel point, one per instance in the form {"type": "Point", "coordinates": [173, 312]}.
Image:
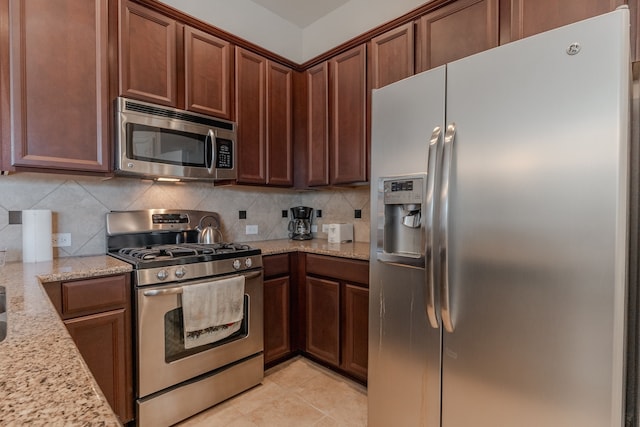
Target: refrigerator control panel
{"type": "Point", "coordinates": [403, 191]}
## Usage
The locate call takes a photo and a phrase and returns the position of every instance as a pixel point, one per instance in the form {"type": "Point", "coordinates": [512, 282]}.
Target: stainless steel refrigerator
{"type": "Point", "coordinates": [499, 236]}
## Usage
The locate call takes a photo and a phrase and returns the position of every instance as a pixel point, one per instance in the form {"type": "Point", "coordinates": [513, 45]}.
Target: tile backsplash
{"type": "Point", "coordinates": [80, 203]}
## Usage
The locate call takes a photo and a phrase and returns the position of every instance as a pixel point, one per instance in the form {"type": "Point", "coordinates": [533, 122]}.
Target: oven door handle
{"type": "Point", "coordinates": [178, 290]}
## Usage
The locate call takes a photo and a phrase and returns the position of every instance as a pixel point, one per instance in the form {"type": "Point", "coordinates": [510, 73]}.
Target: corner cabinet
{"type": "Point", "coordinates": [58, 85]}
{"type": "Point", "coordinates": [264, 117]}
{"type": "Point", "coordinates": [337, 313]}
{"type": "Point", "coordinates": [337, 144]}
{"type": "Point", "coordinates": [165, 62]}
{"type": "Point", "coordinates": [97, 314]}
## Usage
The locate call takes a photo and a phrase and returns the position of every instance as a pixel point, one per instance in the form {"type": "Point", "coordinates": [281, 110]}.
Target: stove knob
{"type": "Point", "coordinates": [248, 262]}
{"type": "Point", "coordinates": [236, 264]}
{"type": "Point", "coordinates": [180, 272]}
{"type": "Point", "coordinates": [162, 274]}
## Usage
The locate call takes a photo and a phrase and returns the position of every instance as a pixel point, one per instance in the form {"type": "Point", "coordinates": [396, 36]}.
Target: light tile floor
{"type": "Point", "coordinates": [296, 393]}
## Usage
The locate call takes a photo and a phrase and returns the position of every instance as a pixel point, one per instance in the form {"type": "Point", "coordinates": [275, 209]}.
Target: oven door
{"type": "Point", "coordinates": [163, 361]}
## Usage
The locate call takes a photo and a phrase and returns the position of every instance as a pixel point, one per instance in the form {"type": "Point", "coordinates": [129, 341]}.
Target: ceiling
{"type": "Point", "coordinates": [301, 13]}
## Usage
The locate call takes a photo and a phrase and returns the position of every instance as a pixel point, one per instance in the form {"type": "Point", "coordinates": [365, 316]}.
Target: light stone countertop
{"type": "Point", "coordinates": [355, 250]}
{"type": "Point", "coordinates": [43, 378]}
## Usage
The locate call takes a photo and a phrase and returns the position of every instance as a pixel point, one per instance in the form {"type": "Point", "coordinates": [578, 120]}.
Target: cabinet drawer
{"type": "Point", "coordinates": [276, 265]}
{"type": "Point", "coordinates": [94, 295]}
{"type": "Point", "coordinates": [338, 268]}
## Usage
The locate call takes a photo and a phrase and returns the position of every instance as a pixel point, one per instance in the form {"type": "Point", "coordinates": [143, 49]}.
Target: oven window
{"type": "Point", "coordinates": [174, 335]}
{"type": "Point", "coordinates": [160, 145]}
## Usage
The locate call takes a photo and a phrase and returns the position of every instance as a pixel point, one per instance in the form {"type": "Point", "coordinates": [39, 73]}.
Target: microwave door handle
{"type": "Point", "coordinates": [209, 151]}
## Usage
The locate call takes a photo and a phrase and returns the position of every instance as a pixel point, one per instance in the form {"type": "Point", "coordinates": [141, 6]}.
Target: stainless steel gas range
{"type": "Point", "coordinates": [174, 381]}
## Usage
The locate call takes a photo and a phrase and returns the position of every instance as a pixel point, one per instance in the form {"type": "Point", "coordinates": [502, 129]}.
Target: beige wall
{"type": "Point", "coordinates": [79, 205]}
{"type": "Point", "coordinates": [252, 22]}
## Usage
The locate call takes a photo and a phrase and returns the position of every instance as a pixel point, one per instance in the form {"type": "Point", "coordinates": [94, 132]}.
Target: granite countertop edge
{"type": "Point", "coordinates": [43, 377]}
{"type": "Point", "coordinates": [352, 250]}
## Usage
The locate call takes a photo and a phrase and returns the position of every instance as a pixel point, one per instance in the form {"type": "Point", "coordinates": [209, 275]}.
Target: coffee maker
{"type": "Point", "coordinates": [300, 223]}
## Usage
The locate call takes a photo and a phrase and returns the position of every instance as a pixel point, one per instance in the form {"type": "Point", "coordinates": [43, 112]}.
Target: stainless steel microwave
{"type": "Point", "coordinates": [155, 141]}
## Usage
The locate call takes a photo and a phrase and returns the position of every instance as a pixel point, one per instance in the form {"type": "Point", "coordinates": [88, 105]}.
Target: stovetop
{"type": "Point", "coordinates": [160, 245]}
{"type": "Point", "coordinates": [152, 256]}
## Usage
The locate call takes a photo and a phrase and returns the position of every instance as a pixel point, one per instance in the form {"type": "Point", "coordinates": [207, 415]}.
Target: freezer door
{"type": "Point", "coordinates": [536, 230]}
{"type": "Point", "coordinates": [404, 350]}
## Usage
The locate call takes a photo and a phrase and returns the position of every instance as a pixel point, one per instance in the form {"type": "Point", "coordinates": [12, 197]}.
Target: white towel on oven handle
{"type": "Point", "coordinates": [212, 311]}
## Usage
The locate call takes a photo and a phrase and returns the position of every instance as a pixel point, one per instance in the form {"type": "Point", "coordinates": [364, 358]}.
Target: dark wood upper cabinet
{"type": "Point", "coordinates": [529, 17]}
{"type": "Point", "coordinates": [392, 56]}
{"type": "Point", "coordinates": [165, 62]}
{"type": "Point", "coordinates": [147, 55]}
{"type": "Point", "coordinates": [264, 114]}
{"type": "Point", "coordinates": [279, 126]}
{"type": "Point", "coordinates": [456, 30]}
{"type": "Point", "coordinates": [317, 137]}
{"type": "Point", "coordinates": [208, 74]}
{"type": "Point", "coordinates": [251, 96]}
{"type": "Point", "coordinates": [58, 84]}
{"type": "Point", "coordinates": [348, 117]}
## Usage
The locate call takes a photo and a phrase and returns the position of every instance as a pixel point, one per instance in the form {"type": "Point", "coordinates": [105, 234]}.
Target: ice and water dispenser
{"type": "Point", "coordinates": [402, 216]}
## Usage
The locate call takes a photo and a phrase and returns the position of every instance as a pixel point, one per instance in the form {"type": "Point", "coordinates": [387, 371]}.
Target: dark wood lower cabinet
{"type": "Point", "coordinates": [101, 341]}
{"type": "Point", "coordinates": [337, 313]}
{"type": "Point", "coordinates": [323, 319]}
{"type": "Point", "coordinates": [355, 338]}
{"type": "Point", "coordinates": [97, 314]}
{"type": "Point", "coordinates": [277, 342]}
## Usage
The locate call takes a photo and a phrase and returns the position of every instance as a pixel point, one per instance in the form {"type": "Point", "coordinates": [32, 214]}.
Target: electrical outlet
{"type": "Point", "coordinates": [357, 213]}
{"type": "Point", "coordinates": [325, 228]}
{"type": "Point", "coordinates": [314, 228]}
{"type": "Point", "coordinates": [251, 229]}
{"type": "Point", "coordinates": [61, 240]}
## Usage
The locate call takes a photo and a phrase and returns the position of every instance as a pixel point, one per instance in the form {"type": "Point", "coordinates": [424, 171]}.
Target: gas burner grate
{"type": "Point", "coordinates": [182, 250]}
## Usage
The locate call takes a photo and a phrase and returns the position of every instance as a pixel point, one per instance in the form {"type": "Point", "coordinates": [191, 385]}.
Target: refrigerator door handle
{"type": "Point", "coordinates": [445, 309]}
{"type": "Point", "coordinates": [430, 232]}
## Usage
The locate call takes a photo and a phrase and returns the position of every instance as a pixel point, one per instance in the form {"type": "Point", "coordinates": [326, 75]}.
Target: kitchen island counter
{"type": "Point", "coordinates": [354, 250]}
{"type": "Point", "coordinates": [43, 379]}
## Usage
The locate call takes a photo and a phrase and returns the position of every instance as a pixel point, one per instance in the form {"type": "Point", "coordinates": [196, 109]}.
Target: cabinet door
{"type": "Point", "coordinates": [276, 319]}
{"type": "Point", "coordinates": [250, 115]}
{"type": "Point", "coordinates": [530, 17]}
{"type": "Point", "coordinates": [103, 344]}
{"type": "Point", "coordinates": [208, 69]}
{"type": "Point", "coordinates": [317, 162]}
{"type": "Point", "coordinates": [348, 112]}
{"type": "Point", "coordinates": [147, 55]}
{"type": "Point", "coordinates": [459, 29]}
{"type": "Point", "coordinates": [59, 84]}
{"type": "Point", "coordinates": [279, 142]}
{"type": "Point", "coordinates": [392, 56]}
{"type": "Point", "coordinates": [323, 319]}
{"type": "Point", "coordinates": [355, 330]}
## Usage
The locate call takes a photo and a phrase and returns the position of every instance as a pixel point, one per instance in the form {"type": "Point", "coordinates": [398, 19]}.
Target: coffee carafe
{"type": "Point", "coordinates": [300, 223]}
